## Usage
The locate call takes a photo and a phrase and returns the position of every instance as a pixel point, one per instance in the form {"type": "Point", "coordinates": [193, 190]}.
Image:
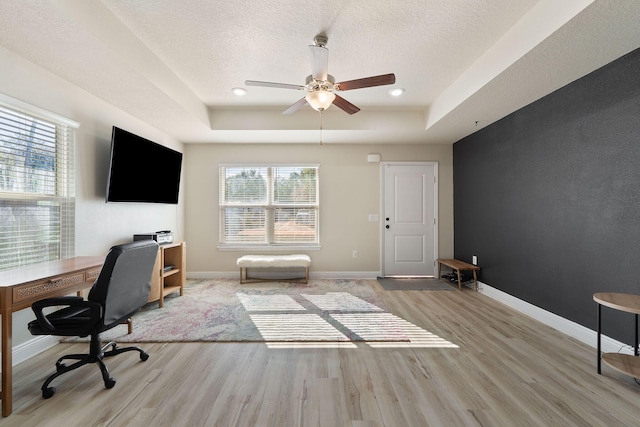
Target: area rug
{"type": "Point", "coordinates": [224, 310]}
{"type": "Point", "coordinates": [414, 284]}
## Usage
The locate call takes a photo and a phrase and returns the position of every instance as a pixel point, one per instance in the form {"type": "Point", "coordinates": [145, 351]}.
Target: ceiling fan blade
{"type": "Point", "coordinates": [295, 107]}
{"type": "Point", "coordinates": [345, 105]}
{"type": "Point", "coordinates": [319, 56]}
{"type": "Point", "coordinates": [271, 84]}
{"type": "Point", "coordinates": [381, 80]}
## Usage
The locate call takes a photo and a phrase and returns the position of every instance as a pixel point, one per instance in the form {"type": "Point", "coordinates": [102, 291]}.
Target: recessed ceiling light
{"type": "Point", "coordinates": [396, 92]}
{"type": "Point", "coordinates": [239, 91]}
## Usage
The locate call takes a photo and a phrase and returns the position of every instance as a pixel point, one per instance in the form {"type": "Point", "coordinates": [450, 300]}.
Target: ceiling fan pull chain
{"type": "Point", "coordinates": [320, 127]}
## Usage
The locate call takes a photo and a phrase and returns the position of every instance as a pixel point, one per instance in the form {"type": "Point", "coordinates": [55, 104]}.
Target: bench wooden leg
{"type": "Point", "coordinates": [459, 280]}
{"type": "Point", "coordinates": [244, 277]}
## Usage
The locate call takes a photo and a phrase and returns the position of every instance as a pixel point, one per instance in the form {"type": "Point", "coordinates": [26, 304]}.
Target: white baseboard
{"type": "Point", "coordinates": [574, 330]}
{"type": "Point", "coordinates": [364, 275]}
{"type": "Point", "coordinates": [34, 346]}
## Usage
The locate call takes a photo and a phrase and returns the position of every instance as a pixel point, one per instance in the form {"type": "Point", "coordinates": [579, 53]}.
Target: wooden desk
{"type": "Point", "coordinates": [20, 288]}
{"type": "Point", "coordinates": [625, 363]}
{"type": "Point", "coordinates": [459, 266]}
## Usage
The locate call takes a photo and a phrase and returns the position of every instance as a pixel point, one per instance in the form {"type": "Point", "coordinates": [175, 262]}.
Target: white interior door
{"type": "Point", "coordinates": [409, 219]}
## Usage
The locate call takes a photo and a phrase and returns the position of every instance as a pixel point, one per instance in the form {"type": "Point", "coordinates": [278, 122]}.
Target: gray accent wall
{"type": "Point", "coordinates": [548, 198]}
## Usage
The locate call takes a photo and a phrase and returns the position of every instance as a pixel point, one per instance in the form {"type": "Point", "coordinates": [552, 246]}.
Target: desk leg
{"type": "Point", "coordinates": [459, 280]}
{"type": "Point", "coordinates": [599, 321]}
{"type": "Point", "coordinates": [475, 280]}
{"type": "Point", "coordinates": [7, 386]}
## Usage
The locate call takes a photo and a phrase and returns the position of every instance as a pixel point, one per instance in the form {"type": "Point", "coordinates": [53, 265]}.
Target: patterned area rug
{"type": "Point", "coordinates": [224, 310]}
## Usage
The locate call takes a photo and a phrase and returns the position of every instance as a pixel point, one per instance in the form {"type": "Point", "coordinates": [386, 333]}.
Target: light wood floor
{"type": "Point", "coordinates": [509, 370]}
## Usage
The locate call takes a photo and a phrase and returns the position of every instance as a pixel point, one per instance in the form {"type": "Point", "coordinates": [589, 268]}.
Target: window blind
{"type": "Point", "coordinates": [269, 205]}
{"type": "Point", "coordinates": [37, 201]}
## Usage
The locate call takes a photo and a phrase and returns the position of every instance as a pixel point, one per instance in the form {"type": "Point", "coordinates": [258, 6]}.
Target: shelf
{"type": "Point", "coordinates": [171, 272]}
{"type": "Point", "coordinates": [629, 303]}
{"type": "Point", "coordinates": [624, 363]}
{"type": "Point", "coordinates": [167, 282]}
{"type": "Point", "coordinates": [170, 289]}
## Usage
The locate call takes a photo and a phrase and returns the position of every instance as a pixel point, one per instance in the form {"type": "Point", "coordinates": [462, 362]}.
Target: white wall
{"type": "Point", "coordinates": [349, 192]}
{"type": "Point", "coordinates": [98, 225]}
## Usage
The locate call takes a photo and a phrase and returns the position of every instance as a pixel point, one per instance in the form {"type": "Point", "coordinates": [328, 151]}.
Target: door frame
{"type": "Point", "coordinates": [383, 174]}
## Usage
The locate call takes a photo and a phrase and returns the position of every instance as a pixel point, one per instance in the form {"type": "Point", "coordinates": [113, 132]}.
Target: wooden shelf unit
{"type": "Point", "coordinates": [164, 282]}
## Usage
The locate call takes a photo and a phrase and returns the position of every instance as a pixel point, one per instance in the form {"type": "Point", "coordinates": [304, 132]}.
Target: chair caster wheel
{"type": "Point", "coordinates": [110, 383]}
{"type": "Point", "coordinates": [144, 356]}
{"type": "Point", "coordinates": [60, 366]}
{"type": "Point", "coordinates": [48, 392]}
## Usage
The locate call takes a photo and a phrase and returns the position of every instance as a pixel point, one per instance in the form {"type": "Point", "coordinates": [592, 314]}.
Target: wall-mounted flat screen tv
{"type": "Point", "coordinates": [141, 170]}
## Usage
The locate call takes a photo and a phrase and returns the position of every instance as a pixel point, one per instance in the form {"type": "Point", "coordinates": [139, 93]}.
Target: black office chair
{"type": "Point", "coordinates": [121, 289]}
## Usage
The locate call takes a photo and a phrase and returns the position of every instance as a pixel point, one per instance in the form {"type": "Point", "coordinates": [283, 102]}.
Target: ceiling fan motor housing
{"type": "Point", "coordinates": [313, 84]}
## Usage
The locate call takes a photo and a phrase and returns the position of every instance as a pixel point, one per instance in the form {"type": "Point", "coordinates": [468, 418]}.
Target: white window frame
{"type": "Point", "coordinates": [31, 246]}
{"type": "Point", "coordinates": [270, 206]}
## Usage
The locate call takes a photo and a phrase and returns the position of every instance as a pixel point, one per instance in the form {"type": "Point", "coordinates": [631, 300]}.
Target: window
{"type": "Point", "coordinates": [269, 205]}
{"type": "Point", "coordinates": [37, 201]}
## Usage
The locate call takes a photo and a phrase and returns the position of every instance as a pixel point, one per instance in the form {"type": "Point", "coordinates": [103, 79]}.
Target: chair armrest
{"type": "Point", "coordinates": [95, 310]}
{"type": "Point", "coordinates": [52, 302]}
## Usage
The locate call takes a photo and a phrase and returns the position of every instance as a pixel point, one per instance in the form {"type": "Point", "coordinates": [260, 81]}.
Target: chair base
{"type": "Point", "coordinates": [96, 354]}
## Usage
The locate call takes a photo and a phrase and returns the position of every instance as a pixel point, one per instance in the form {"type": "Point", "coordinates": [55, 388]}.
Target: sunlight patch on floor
{"type": "Point", "coordinates": [280, 321]}
{"type": "Point", "coordinates": [372, 326]}
{"type": "Point", "coordinates": [296, 327]}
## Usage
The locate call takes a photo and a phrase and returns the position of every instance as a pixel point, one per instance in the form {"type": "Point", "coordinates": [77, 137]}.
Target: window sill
{"type": "Point", "coordinates": [268, 248]}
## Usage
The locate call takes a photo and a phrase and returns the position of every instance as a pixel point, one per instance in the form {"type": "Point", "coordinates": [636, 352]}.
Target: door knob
{"type": "Point", "coordinates": [387, 218]}
{"type": "Point", "coordinates": [387, 226]}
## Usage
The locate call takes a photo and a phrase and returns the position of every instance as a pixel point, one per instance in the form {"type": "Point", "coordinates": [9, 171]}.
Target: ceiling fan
{"type": "Point", "coordinates": [321, 86]}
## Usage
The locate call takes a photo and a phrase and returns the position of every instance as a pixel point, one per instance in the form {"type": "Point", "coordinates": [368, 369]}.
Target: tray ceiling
{"type": "Point", "coordinates": [463, 63]}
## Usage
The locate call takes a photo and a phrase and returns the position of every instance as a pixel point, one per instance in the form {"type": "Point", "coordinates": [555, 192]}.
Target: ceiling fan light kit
{"type": "Point", "coordinates": [321, 86]}
{"type": "Point", "coordinates": [320, 100]}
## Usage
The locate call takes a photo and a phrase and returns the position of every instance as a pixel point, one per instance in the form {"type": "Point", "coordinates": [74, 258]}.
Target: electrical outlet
{"type": "Point", "coordinates": [355, 254]}
{"type": "Point", "coordinates": [475, 260]}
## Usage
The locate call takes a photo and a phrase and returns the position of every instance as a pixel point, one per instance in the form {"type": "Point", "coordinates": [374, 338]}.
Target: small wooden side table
{"type": "Point", "coordinates": [629, 303]}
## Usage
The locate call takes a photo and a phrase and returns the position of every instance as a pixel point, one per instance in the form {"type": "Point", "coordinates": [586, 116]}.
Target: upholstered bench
{"type": "Point", "coordinates": [273, 261]}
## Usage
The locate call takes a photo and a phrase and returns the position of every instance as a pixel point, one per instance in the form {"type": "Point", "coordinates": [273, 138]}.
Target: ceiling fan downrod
{"type": "Point", "coordinates": [320, 40]}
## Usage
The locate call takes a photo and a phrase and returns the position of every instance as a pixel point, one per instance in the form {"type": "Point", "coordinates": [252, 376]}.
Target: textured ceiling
{"type": "Point", "coordinates": [463, 63]}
